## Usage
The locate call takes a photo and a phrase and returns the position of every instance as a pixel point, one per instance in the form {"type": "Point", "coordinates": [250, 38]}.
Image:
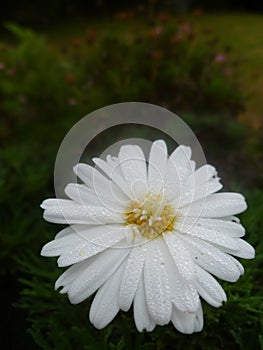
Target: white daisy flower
{"type": "Point", "coordinates": [153, 235]}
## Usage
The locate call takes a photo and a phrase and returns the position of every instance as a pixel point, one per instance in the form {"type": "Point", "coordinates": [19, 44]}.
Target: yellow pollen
{"type": "Point", "coordinates": [151, 216]}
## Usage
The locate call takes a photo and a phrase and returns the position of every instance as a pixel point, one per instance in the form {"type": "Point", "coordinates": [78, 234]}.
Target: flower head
{"type": "Point", "coordinates": [151, 235]}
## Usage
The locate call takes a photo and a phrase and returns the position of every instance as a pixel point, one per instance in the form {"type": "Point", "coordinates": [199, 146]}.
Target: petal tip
{"type": "Point", "coordinates": [44, 204]}
{"type": "Point", "coordinates": [42, 252]}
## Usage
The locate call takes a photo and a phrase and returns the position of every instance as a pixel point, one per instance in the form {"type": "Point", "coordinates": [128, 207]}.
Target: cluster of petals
{"type": "Point", "coordinates": [113, 249]}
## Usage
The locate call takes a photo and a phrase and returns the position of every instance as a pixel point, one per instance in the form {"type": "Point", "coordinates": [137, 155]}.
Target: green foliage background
{"type": "Point", "coordinates": [44, 90]}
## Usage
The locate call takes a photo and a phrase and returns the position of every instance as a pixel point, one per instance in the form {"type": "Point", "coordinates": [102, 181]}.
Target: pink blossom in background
{"type": "Point", "coordinates": [156, 31]}
{"type": "Point", "coordinates": [11, 72]}
{"type": "Point", "coordinates": [176, 38]}
{"type": "Point", "coordinates": [186, 28]}
{"type": "Point", "coordinates": [72, 101]}
{"type": "Point", "coordinates": [220, 58]}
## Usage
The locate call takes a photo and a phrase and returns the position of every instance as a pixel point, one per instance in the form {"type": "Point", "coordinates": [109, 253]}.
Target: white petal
{"type": "Point", "coordinates": [183, 292]}
{"type": "Point", "coordinates": [231, 218]}
{"type": "Point", "coordinates": [202, 175]}
{"type": "Point", "coordinates": [180, 254]}
{"type": "Point", "coordinates": [198, 184]}
{"type": "Point", "coordinates": [59, 245]}
{"type": "Point", "coordinates": [107, 192]}
{"type": "Point", "coordinates": [212, 259]}
{"type": "Point", "coordinates": [96, 273]}
{"type": "Point", "coordinates": [237, 264]}
{"type": "Point", "coordinates": [196, 192]}
{"type": "Point", "coordinates": [227, 228]}
{"type": "Point", "coordinates": [207, 233]}
{"type": "Point", "coordinates": [216, 205]}
{"type": "Point", "coordinates": [105, 304]}
{"type": "Point", "coordinates": [142, 317]}
{"type": "Point", "coordinates": [199, 320]}
{"type": "Point", "coordinates": [66, 231]}
{"type": "Point", "coordinates": [179, 167]}
{"type": "Point", "coordinates": [133, 165]}
{"type": "Point", "coordinates": [70, 275]}
{"type": "Point", "coordinates": [157, 286]}
{"type": "Point", "coordinates": [245, 250]}
{"type": "Point", "coordinates": [114, 164]}
{"type": "Point", "coordinates": [54, 202]}
{"type": "Point", "coordinates": [188, 322]}
{"type": "Point", "coordinates": [209, 289]}
{"type": "Point", "coordinates": [113, 173]}
{"type": "Point", "coordinates": [82, 243]}
{"type": "Point", "coordinates": [157, 166]}
{"type": "Point", "coordinates": [98, 239]}
{"type": "Point", "coordinates": [66, 211]}
{"type": "Point", "coordinates": [131, 277]}
{"type": "Point", "coordinates": [82, 194]}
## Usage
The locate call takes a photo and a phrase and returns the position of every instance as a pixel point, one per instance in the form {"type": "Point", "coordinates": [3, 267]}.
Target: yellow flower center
{"type": "Point", "coordinates": [151, 216]}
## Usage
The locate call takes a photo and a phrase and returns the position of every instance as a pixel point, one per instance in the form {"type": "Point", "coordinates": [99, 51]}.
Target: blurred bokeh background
{"type": "Point", "coordinates": [60, 60]}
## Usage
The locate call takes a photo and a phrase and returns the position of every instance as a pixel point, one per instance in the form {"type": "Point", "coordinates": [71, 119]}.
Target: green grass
{"type": "Point", "coordinates": [242, 32]}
